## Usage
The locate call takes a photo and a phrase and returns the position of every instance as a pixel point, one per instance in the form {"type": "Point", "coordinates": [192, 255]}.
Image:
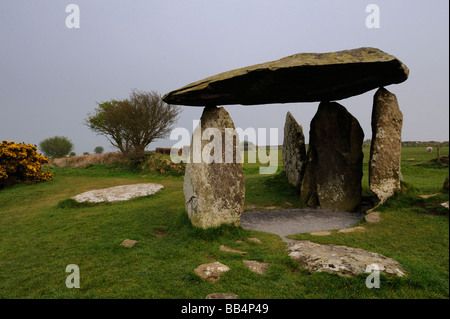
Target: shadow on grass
{"type": "Point", "coordinates": [72, 203]}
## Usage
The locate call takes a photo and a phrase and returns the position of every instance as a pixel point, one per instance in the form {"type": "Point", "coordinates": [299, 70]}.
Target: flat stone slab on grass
{"type": "Point", "coordinates": [427, 196]}
{"type": "Point", "coordinates": [342, 260]}
{"type": "Point", "coordinates": [321, 233]}
{"type": "Point", "coordinates": [211, 271]}
{"type": "Point", "coordinates": [118, 193]}
{"type": "Point", "coordinates": [352, 229]}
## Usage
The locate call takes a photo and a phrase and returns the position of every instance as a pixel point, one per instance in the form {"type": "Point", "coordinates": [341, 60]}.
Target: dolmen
{"type": "Point", "coordinates": [329, 174]}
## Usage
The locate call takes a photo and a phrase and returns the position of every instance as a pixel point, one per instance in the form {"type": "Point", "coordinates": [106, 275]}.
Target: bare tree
{"type": "Point", "coordinates": [132, 124]}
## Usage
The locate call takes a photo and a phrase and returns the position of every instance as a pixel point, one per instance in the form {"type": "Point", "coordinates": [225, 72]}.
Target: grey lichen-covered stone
{"type": "Point", "coordinates": [211, 271]}
{"type": "Point", "coordinates": [294, 151]}
{"type": "Point", "coordinates": [303, 77]}
{"type": "Point", "coordinates": [333, 173]}
{"type": "Point", "coordinates": [385, 150]}
{"type": "Point", "coordinates": [118, 193]}
{"type": "Point", "coordinates": [342, 260]}
{"type": "Point", "coordinates": [214, 192]}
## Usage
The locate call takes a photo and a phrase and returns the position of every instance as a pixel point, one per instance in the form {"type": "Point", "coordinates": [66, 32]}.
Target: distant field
{"type": "Point", "coordinates": [39, 238]}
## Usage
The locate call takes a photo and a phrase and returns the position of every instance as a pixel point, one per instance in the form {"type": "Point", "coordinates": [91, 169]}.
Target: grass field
{"type": "Point", "coordinates": [39, 238]}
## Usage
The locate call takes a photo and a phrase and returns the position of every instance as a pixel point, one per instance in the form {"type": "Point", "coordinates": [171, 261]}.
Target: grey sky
{"type": "Point", "coordinates": [52, 76]}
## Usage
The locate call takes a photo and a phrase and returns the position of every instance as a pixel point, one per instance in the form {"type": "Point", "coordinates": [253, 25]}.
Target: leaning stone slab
{"type": "Point", "coordinates": [294, 151]}
{"type": "Point", "coordinates": [333, 173]}
{"type": "Point", "coordinates": [118, 193]}
{"type": "Point", "coordinates": [303, 77]}
{"type": "Point", "coordinates": [211, 271]}
{"type": "Point", "coordinates": [342, 260]}
{"type": "Point", "coordinates": [213, 186]}
{"type": "Point", "coordinates": [386, 146]}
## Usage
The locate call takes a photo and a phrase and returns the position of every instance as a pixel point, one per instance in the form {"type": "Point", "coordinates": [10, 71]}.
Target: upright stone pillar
{"type": "Point", "coordinates": [386, 146]}
{"type": "Point", "coordinates": [214, 187]}
{"type": "Point", "coordinates": [294, 151]}
{"type": "Point", "coordinates": [334, 169]}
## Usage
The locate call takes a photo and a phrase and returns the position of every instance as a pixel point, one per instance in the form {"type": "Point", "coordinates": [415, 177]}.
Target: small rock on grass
{"type": "Point", "coordinates": [129, 243]}
{"type": "Point", "coordinates": [321, 233]}
{"type": "Point", "coordinates": [256, 266]}
{"type": "Point", "coordinates": [211, 271]}
{"type": "Point", "coordinates": [221, 295]}
{"type": "Point", "coordinates": [231, 250]}
{"type": "Point", "coordinates": [373, 217]}
{"type": "Point", "coordinates": [255, 239]}
{"type": "Point", "coordinates": [352, 229]}
{"type": "Point", "coordinates": [427, 196]}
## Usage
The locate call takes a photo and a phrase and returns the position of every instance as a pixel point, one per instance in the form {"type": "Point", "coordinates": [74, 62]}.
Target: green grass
{"type": "Point", "coordinates": [42, 231]}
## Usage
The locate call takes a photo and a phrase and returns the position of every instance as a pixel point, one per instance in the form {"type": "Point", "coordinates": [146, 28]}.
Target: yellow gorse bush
{"type": "Point", "coordinates": [21, 163]}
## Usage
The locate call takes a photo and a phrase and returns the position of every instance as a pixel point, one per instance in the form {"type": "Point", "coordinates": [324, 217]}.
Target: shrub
{"type": "Point", "coordinates": [21, 163]}
{"type": "Point", "coordinates": [56, 147]}
{"type": "Point", "coordinates": [161, 163]}
{"type": "Point", "coordinates": [98, 150]}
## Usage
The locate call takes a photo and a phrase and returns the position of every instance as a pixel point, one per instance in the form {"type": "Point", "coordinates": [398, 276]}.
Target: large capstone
{"type": "Point", "coordinates": [334, 169]}
{"type": "Point", "coordinates": [303, 77]}
{"type": "Point", "coordinates": [214, 180]}
{"type": "Point", "coordinates": [294, 151]}
{"type": "Point", "coordinates": [386, 146]}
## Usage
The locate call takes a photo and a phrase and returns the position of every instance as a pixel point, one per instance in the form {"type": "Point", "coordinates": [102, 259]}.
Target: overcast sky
{"type": "Point", "coordinates": [51, 76]}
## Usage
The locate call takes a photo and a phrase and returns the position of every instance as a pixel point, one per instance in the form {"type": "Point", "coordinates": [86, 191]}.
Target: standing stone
{"type": "Point", "coordinates": [333, 173]}
{"type": "Point", "coordinates": [294, 151]}
{"type": "Point", "coordinates": [214, 187]}
{"type": "Point", "coordinates": [385, 150]}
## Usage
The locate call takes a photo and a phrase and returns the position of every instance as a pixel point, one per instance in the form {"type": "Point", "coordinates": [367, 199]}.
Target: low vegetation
{"type": "Point", "coordinates": [42, 231]}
